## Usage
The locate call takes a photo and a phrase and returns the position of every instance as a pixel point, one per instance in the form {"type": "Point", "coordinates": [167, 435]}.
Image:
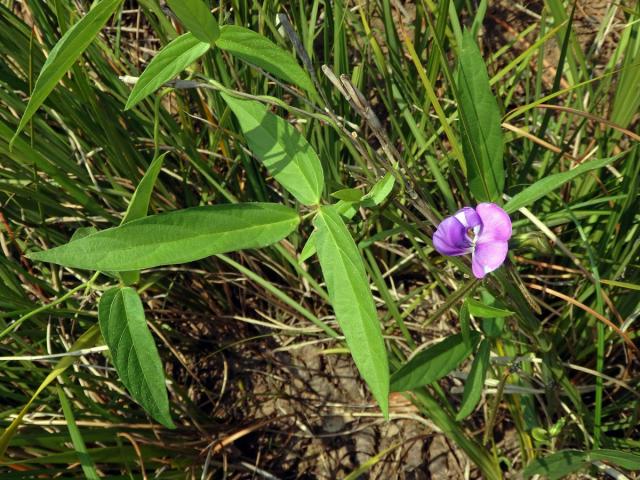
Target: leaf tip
{"type": "Point", "coordinates": [167, 421]}
{"type": "Point", "coordinates": [384, 406]}
{"type": "Point", "coordinates": [33, 255]}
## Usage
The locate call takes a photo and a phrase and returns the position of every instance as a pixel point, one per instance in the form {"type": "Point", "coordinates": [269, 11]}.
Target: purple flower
{"type": "Point", "coordinates": [483, 232]}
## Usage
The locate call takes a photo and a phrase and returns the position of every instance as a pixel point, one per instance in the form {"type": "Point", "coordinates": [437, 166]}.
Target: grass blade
{"type": "Point", "coordinates": [539, 189]}
{"type": "Point", "coordinates": [88, 467]}
{"type": "Point", "coordinates": [64, 54]}
{"type": "Point", "coordinates": [87, 339]}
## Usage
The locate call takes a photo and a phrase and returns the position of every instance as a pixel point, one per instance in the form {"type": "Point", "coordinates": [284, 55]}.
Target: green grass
{"type": "Point", "coordinates": [79, 160]}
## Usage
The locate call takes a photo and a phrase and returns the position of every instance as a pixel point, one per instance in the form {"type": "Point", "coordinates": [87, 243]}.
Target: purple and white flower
{"type": "Point", "coordinates": [484, 232]}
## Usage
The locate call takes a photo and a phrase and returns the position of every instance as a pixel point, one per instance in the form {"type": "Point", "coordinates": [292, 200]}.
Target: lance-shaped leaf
{"type": "Point", "coordinates": [176, 237]}
{"type": "Point", "coordinates": [65, 53]}
{"type": "Point", "coordinates": [480, 124]}
{"type": "Point", "coordinates": [167, 64]}
{"type": "Point", "coordinates": [352, 302]}
{"type": "Point", "coordinates": [139, 206]}
{"type": "Point", "coordinates": [475, 381]}
{"type": "Point", "coordinates": [433, 363]}
{"type": "Point", "coordinates": [281, 148]}
{"type": "Point", "coordinates": [258, 50]}
{"type": "Point", "coordinates": [479, 309]}
{"type": "Point", "coordinates": [309, 248]}
{"type": "Point", "coordinates": [195, 15]}
{"type": "Point", "coordinates": [133, 351]}
{"type": "Point", "coordinates": [379, 192]}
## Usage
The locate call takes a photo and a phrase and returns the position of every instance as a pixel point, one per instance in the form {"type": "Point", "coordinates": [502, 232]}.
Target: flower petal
{"type": "Point", "coordinates": [451, 238]}
{"type": "Point", "coordinates": [488, 256]}
{"type": "Point", "coordinates": [468, 217]}
{"type": "Point", "coordinates": [496, 224]}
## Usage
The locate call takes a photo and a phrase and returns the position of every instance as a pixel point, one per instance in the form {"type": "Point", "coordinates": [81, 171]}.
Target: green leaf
{"type": "Point", "coordinates": [107, 455]}
{"type": "Point", "coordinates": [167, 64]}
{"type": "Point", "coordinates": [348, 194]}
{"type": "Point", "coordinates": [133, 351]}
{"type": "Point", "coordinates": [197, 18]}
{"type": "Point", "coordinates": [281, 148]}
{"type": "Point", "coordinates": [139, 204]}
{"type": "Point", "coordinates": [557, 465]}
{"type": "Point", "coordinates": [309, 248]}
{"type": "Point", "coordinates": [564, 462]}
{"type": "Point", "coordinates": [475, 381]}
{"type": "Point", "coordinates": [176, 237]}
{"type": "Point", "coordinates": [346, 210]}
{"type": "Point", "coordinates": [83, 232]}
{"type": "Point", "coordinates": [492, 317]}
{"type": "Point", "coordinates": [130, 277]}
{"type": "Point", "coordinates": [480, 310]}
{"type": "Point", "coordinates": [139, 207]}
{"type": "Point", "coordinates": [64, 54]}
{"type": "Point", "coordinates": [547, 184]}
{"type": "Point", "coordinates": [262, 52]}
{"type": "Point", "coordinates": [379, 192]}
{"type": "Point", "coordinates": [480, 123]}
{"type": "Point", "coordinates": [630, 461]}
{"type": "Point", "coordinates": [433, 363]}
{"type": "Point", "coordinates": [352, 302]}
